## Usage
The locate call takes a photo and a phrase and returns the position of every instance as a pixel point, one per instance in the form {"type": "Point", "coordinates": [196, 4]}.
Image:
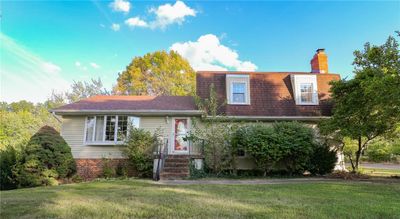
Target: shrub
{"type": "Point", "coordinates": [121, 170]}
{"type": "Point", "coordinates": [46, 158]}
{"type": "Point", "coordinates": [286, 145]}
{"type": "Point", "coordinates": [294, 142]}
{"type": "Point", "coordinates": [139, 145]}
{"type": "Point", "coordinates": [8, 159]}
{"type": "Point", "coordinates": [257, 140]}
{"type": "Point", "coordinates": [108, 170]}
{"type": "Point", "coordinates": [323, 160]}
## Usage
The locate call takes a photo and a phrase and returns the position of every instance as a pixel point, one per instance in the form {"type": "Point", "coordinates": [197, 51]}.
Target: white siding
{"type": "Point", "coordinates": [73, 128]}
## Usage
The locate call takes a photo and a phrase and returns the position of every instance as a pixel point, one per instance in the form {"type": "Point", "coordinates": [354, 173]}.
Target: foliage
{"type": "Point", "coordinates": [215, 133]}
{"type": "Point", "coordinates": [196, 173]}
{"type": "Point", "coordinates": [139, 146]}
{"type": "Point", "coordinates": [121, 170]}
{"type": "Point", "coordinates": [367, 106]}
{"type": "Point", "coordinates": [157, 73]}
{"type": "Point", "coordinates": [83, 89]}
{"type": "Point", "coordinates": [288, 145]}
{"type": "Point", "coordinates": [108, 170]}
{"type": "Point", "coordinates": [46, 158]}
{"type": "Point", "coordinates": [20, 120]}
{"type": "Point", "coordinates": [8, 158]}
{"type": "Point", "coordinates": [323, 160]}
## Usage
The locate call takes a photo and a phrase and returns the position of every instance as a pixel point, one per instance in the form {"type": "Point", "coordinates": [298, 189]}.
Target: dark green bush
{"type": "Point", "coordinates": [45, 159]}
{"type": "Point", "coordinates": [323, 160]}
{"type": "Point", "coordinates": [294, 142]}
{"type": "Point", "coordinates": [286, 146]}
{"type": "Point", "coordinates": [8, 159]}
{"type": "Point", "coordinates": [257, 140]}
{"type": "Point", "coordinates": [139, 148]}
{"type": "Point", "coordinates": [121, 170]}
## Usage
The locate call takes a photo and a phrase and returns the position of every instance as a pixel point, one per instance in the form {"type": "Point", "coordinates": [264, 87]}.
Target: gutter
{"type": "Point", "coordinates": [133, 112]}
{"type": "Point", "coordinates": [270, 118]}
{"type": "Point", "coordinates": [56, 117]}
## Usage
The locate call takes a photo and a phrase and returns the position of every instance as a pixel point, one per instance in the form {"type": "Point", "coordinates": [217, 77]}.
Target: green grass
{"type": "Point", "coordinates": [380, 172]}
{"type": "Point", "coordinates": [143, 199]}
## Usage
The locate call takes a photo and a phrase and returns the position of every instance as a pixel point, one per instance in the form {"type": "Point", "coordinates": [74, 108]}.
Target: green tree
{"type": "Point", "coordinates": [157, 73]}
{"type": "Point", "coordinates": [367, 106]}
{"type": "Point", "coordinates": [84, 89]}
{"type": "Point", "coordinates": [45, 159]}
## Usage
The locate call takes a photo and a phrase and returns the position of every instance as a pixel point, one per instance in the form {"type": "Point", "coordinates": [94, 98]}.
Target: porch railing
{"type": "Point", "coordinates": [161, 153]}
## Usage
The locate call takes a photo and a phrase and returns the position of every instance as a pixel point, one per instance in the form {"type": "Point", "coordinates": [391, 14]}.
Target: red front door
{"type": "Point", "coordinates": [180, 133]}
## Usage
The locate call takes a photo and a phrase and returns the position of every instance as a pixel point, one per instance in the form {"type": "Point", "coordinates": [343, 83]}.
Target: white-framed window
{"type": "Point", "coordinates": [238, 92]}
{"type": "Point", "coordinates": [108, 129]}
{"type": "Point", "coordinates": [305, 89]}
{"type": "Point", "coordinates": [238, 89]}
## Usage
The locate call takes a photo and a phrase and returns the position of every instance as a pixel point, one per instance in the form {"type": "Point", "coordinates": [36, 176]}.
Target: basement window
{"type": "Point", "coordinates": [108, 130]}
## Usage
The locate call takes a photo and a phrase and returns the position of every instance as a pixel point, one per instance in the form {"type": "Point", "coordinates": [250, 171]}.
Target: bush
{"type": "Point", "coordinates": [139, 145]}
{"type": "Point", "coordinates": [121, 170]}
{"type": "Point", "coordinates": [323, 160]}
{"type": "Point", "coordinates": [46, 158]}
{"type": "Point", "coordinates": [8, 159]}
{"type": "Point", "coordinates": [286, 146]}
{"type": "Point", "coordinates": [108, 170]}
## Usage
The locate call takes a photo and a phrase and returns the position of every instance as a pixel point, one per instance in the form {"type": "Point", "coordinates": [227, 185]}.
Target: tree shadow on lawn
{"type": "Point", "coordinates": [137, 198]}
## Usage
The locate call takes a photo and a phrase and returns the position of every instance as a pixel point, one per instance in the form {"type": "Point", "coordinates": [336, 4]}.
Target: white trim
{"type": "Point", "coordinates": [246, 82]}
{"type": "Point", "coordinates": [297, 80]}
{"type": "Point", "coordinates": [128, 112]}
{"type": "Point", "coordinates": [273, 118]}
{"type": "Point", "coordinates": [238, 76]}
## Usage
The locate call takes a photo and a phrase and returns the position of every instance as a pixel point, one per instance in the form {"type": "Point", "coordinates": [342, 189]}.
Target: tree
{"type": "Point", "coordinates": [367, 106]}
{"type": "Point", "coordinates": [81, 90]}
{"type": "Point", "coordinates": [45, 159]}
{"type": "Point", "coordinates": [157, 73]}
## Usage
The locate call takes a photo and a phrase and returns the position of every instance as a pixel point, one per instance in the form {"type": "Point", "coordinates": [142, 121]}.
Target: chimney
{"type": "Point", "coordinates": [319, 63]}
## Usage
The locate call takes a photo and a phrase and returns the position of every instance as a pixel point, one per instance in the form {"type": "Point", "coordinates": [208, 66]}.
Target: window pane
{"type": "Point", "coordinates": [134, 121]}
{"type": "Point", "coordinates": [306, 90]}
{"type": "Point", "coordinates": [98, 136]}
{"type": "Point", "coordinates": [89, 128]}
{"type": "Point", "coordinates": [239, 88]}
{"type": "Point", "coordinates": [110, 128]}
{"type": "Point", "coordinates": [122, 127]}
{"type": "Point", "coordinates": [238, 98]}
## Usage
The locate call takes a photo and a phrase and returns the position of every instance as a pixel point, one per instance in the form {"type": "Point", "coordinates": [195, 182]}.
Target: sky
{"type": "Point", "coordinates": [46, 45]}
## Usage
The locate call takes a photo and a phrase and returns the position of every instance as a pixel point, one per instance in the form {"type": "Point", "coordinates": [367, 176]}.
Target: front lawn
{"type": "Point", "coordinates": [144, 199]}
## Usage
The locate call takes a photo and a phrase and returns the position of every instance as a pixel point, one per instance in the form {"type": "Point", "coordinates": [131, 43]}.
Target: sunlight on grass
{"type": "Point", "coordinates": [144, 199]}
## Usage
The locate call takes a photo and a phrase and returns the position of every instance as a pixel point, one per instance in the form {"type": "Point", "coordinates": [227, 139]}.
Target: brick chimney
{"type": "Point", "coordinates": [319, 63]}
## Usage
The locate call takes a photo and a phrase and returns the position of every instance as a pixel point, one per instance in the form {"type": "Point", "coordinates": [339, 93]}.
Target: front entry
{"type": "Point", "coordinates": [180, 132]}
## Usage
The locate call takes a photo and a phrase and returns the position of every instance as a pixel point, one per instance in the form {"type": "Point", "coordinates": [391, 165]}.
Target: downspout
{"type": "Point", "coordinates": [56, 117]}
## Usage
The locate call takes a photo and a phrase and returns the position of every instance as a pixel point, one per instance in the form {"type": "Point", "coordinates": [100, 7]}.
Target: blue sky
{"type": "Point", "coordinates": [45, 45]}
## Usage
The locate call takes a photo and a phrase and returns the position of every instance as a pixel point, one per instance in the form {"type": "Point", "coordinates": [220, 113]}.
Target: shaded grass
{"type": "Point", "coordinates": [143, 199]}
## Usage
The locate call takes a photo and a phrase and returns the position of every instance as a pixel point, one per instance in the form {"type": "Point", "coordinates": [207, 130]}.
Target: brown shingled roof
{"type": "Point", "coordinates": [271, 94]}
{"type": "Point", "coordinates": [130, 103]}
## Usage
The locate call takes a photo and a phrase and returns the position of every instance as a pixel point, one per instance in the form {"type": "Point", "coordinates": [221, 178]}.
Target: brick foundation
{"type": "Point", "coordinates": [90, 169]}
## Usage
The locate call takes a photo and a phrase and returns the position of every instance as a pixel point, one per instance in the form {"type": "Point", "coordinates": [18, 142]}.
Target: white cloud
{"type": "Point", "coordinates": [115, 27]}
{"type": "Point", "coordinates": [121, 5]}
{"type": "Point", "coordinates": [207, 53]}
{"type": "Point", "coordinates": [136, 22]}
{"type": "Point", "coordinates": [27, 76]}
{"type": "Point", "coordinates": [77, 64]}
{"type": "Point", "coordinates": [94, 65]}
{"type": "Point", "coordinates": [169, 14]}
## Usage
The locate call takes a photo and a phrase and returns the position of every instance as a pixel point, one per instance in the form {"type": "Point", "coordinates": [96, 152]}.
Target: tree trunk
{"type": "Point", "coordinates": [358, 154]}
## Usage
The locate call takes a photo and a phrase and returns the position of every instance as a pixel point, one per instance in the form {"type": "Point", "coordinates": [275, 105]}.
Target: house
{"type": "Point", "coordinates": [94, 127]}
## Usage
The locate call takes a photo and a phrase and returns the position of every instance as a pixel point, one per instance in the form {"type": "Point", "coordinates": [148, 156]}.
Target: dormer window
{"type": "Point", "coordinates": [238, 89]}
{"type": "Point", "coordinates": [238, 92]}
{"type": "Point", "coordinates": [305, 89]}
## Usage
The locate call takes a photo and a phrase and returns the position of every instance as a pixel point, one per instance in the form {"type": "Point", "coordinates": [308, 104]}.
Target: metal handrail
{"type": "Point", "coordinates": [162, 153]}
